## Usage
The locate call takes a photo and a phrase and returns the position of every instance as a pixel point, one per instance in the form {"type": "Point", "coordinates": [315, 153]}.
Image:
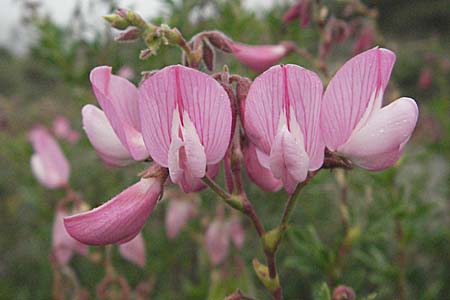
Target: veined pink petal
{"type": "Point", "coordinates": [288, 159]}
{"type": "Point", "coordinates": [259, 174]}
{"type": "Point", "coordinates": [190, 94]}
{"type": "Point", "coordinates": [118, 220]}
{"type": "Point", "coordinates": [379, 143]}
{"type": "Point", "coordinates": [103, 138]}
{"type": "Point", "coordinates": [134, 251]}
{"type": "Point", "coordinates": [179, 211]}
{"type": "Point", "coordinates": [260, 57]}
{"type": "Point", "coordinates": [217, 241]}
{"type": "Point", "coordinates": [48, 164]}
{"type": "Point", "coordinates": [197, 184]}
{"type": "Point", "coordinates": [289, 91]}
{"type": "Point", "coordinates": [119, 99]}
{"type": "Point", "coordinates": [63, 244]}
{"type": "Point", "coordinates": [354, 93]}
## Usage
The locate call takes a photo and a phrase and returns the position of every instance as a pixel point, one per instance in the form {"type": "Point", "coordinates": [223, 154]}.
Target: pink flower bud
{"type": "Point", "coordinates": [425, 79]}
{"type": "Point", "coordinates": [134, 251]}
{"type": "Point", "coordinates": [217, 241]}
{"type": "Point", "coordinates": [126, 72]}
{"type": "Point", "coordinates": [237, 232]}
{"type": "Point", "coordinates": [63, 244]}
{"type": "Point", "coordinates": [293, 12]}
{"type": "Point", "coordinates": [129, 35]}
{"type": "Point", "coordinates": [365, 39]}
{"type": "Point", "coordinates": [260, 57]}
{"type": "Point", "coordinates": [179, 212]}
{"type": "Point", "coordinates": [63, 130]}
{"type": "Point", "coordinates": [48, 163]}
{"type": "Point", "coordinates": [208, 56]}
{"type": "Point", "coordinates": [220, 41]}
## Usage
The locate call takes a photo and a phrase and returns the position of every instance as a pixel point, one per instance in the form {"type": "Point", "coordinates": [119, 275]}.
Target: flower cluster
{"type": "Point", "coordinates": [183, 121]}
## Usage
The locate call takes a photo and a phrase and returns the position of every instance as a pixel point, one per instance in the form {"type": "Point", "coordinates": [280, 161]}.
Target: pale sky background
{"type": "Point", "coordinates": [60, 11]}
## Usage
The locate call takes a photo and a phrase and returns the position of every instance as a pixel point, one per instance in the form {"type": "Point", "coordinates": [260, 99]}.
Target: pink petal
{"type": "Point", "coordinates": [261, 57]}
{"type": "Point", "coordinates": [288, 159]}
{"type": "Point", "coordinates": [379, 143]}
{"type": "Point", "coordinates": [202, 98]}
{"type": "Point", "coordinates": [134, 251]}
{"type": "Point", "coordinates": [353, 93]}
{"type": "Point", "coordinates": [197, 184]}
{"type": "Point", "coordinates": [102, 137]}
{"type": "Point", "coordinates": [119, 99]}
{"type": "Point", "coordinates": [178, 214]}
{"type": "Point", "coordinates": [259, 174]}
{"type": "Point", "coordinates": [217, 241]}
{"type": "Point", "coordinates": [63, 244]}
{"type": "Point", "coordinates": [270, 93]}
{"type": "Point", "coordinates": [118, 220]}
{"type": "Point", "coordinates": [48, 164]}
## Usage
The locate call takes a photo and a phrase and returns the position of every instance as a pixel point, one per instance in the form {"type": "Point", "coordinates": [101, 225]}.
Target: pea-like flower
{"type": "Point", "coordinates": [353, 123]}
{"type": "Point", "coordinates": [282, 114]}
{"type": "Point", "coordinates": [186, 123]}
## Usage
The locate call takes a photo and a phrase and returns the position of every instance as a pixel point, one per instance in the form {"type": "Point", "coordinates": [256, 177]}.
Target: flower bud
{"type": "Point", "coordinates": [425, 79]}
{"type": "Point", "coordinates": [208, 56]}
{"type": "Point", "coordinates": [365, 39]}
{"type": "Point", "coordinates": [129, 35]}
{"type": "Point", "coordinates": [220, 41]}
{"type": "Point", "coordinates": [117, 21]}
{"type": "Point", "coordinates": [343, 292]}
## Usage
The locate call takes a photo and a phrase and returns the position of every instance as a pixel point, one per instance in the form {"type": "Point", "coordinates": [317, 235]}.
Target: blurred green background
{"type": "Point", "coordinates": [400, 216]}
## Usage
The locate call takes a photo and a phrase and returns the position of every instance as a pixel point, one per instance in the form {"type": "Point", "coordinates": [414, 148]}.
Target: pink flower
{"type": "Point", "coordinates": [354, 124]}
{"type": "Point", "coordinates": [63, 130]}
{"type": "Point", "coordinates": [119, 100]}
{"type": "Point", "coordinates": [365, 39]}
{"type": "Point", "coordinates": [300, 10]}
{"type": "Point", "coordinates": [120, 219]}
{"type": "Point", "coordinates": [126, 72]}
{"type": "Point", "coordinates": [259, 174]}
{"type": "Point", "coordinates": [63, 244]}
{"type": "Point", "coordinates": [282, 113]}
{"type": "Point", "coordinates": [217, 240]}
{"type": "Point", "coordinates": [134, 251]}
{"type": "Point", "coordinates": [260, 57]}
{"type": "Point", "coordinates": [237, 232]}
{"type": "Point", "coordinates": [48, 163]}
{"type": "Point", "coordinates": [186, 122]}
{"type": "Point", "coordinates": [179, 212]}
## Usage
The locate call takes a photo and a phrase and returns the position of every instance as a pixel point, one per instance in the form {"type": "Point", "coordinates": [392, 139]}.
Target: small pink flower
{"type": "Point", "coordinates": [126, 72]}
{"type": "Point", "coordinates": [354, 124]}
{"type": "Point", "coordinates": [120, 219]}
{"type": "Point", "coordinates": [119, 100]}
{"type": "Point", "coordinates": [63, 130]}
{"type": "Point", "coordinates": [63, 244]}
{"type": "Point", "coordinates": [48, 163]}
{"type": "Point", "coordinates": [134, 251]}
{"type": "Point", "coordinates": [260, 57]}
{"type": "Point", "coordinates": [179, 212]}
{"type": "Point", "coordinates": [300, 10]}
{"type": "Point", "coordinates": [282, 113]}
{"type": "Point", "coordinates": [217, 240]}
{"type": "Point", "coordinates": [186, 122]}
{"type": "Point", "coordinates": [365, 39]}
{"type": "Point", "coordinates": [259, 174]}
{"type": "Point", "coordinates": [237, 232]}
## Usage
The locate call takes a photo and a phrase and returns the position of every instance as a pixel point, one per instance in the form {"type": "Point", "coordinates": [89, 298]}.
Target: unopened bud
{"type": "Point", "coordinates": [208, 56]}
{"type": "Point", "coordinates": [172, 35]}
{"type": "Point", "coordinates": [272, 284]}
{"type": "Point", "coordinates": [343, 292]}
{"type": "Point", "coordinates": [129, 35]}
{"type": "Point", "coordinates": [220, 41]}
{"type": "Point", "coordinates": [117, 21]}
